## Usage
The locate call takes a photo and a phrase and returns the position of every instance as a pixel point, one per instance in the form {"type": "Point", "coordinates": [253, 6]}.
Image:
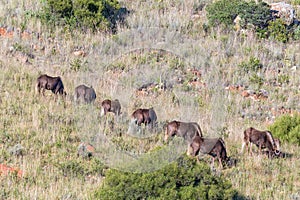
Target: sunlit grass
{"type": "Point", "coordinates": [47, 128]}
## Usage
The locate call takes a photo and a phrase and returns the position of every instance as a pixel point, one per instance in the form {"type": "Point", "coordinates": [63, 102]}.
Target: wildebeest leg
{"type": "Point", "coordinates": [259, 149]}
{"type": "Point", "coordinates": [220, 161]}
{"type": "Point", "coordinates": [139, 122]}
{"type": "Point", "coordinates": [243, 146]}
{"type": "Point", "coordinates": [198, 160]}
{"type": "Point", "coordinates": [251, 148]}
{"type": "Point", "coordinates": [102, 112]}
{"type": "Point", "coordinates": [43, 91]}
{"type": "Point", "coordinates": [212, 163]}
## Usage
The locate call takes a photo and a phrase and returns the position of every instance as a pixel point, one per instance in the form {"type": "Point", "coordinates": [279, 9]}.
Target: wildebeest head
{"type": "Point", "coordinates": [171, 129]}
{"type": "Point", "coordinates": [113, 106]}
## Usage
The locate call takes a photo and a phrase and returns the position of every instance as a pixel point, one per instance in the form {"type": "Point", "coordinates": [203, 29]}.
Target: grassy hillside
{"type": "Point", "coordinates": [161, 43]}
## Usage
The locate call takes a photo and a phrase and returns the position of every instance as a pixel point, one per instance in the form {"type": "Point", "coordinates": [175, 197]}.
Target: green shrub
{"type": "Point", "coordinates": [277, 30]}
{"type": "Point", "coordinates": [84, 14]}
{"type": "Point", "coordinates": [253, 65]}
{"type": "Point", "coordinates": [296, 32]}
{"type": "Point", "coordinates": [256, 14]}
{"type": "Point", "coordinates": [287, 129]}
{"type": "Point", "coordinates": [184, 179]}
{"type": "Point", "coordinates": [295, 2]}
{"type": "Point", "coordinates": [225, 11]}
{"type": "Point", "coordinates": [283, 78]}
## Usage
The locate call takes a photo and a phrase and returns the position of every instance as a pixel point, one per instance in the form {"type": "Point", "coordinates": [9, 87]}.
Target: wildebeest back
{"type": "Point", "coordinates": [85, 94]}
{"type": "Point", "coordinates": [208, 144]}
{"type": "Point", "coordinates": [188, 130]}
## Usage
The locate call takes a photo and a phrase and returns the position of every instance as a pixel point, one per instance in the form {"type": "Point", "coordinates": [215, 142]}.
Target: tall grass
{"type": "Point", "coordinates": [48, 129]}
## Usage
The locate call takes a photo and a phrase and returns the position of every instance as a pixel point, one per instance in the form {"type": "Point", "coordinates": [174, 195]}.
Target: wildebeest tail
{"type": "Point", "coordinates": [222, 141]}
{"type": "Point", "coordinates": [271, 139]}
{"type": "Point", "coordinates": [198, 129]}
{"type": "Point", "coordinates": [224, 155]}
{"type": "Point", "coordinates": [37, 86]}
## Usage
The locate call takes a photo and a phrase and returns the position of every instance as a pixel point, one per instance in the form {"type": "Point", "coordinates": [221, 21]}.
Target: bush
{"type": "Point", "coordinates": [287, 129]}
{"type": "Point", "coordinates": [277, 30]}
{"type": "Point", "coordinates": [253, 65]}
{"type": "Point", "coordinates": [184, 179]}
{"type": "Point", "coordinates": [84, 14]}
{"type": "Point", "coordinates": [225, 11]}
{"type": "Point", "coordinates": [256, 14]}
{"type": "Point", "coordinates": [296, 33]}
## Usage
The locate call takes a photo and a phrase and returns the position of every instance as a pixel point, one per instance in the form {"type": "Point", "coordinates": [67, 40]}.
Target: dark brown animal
{"type": "Point", "coordinates": [84, 94]}
{"type": "Point", "coordinates": [144, 116]}
{"type": "Point", "coordinates": [113, 106]}
{"type": "Point", "coordinates": [45, 82]}
{"type": "Point", "coordinates": [262, 139]}
{"type": "Point", "coordinates": [187, 130]}
{"type": "Point", "coordinates": [214, 147]}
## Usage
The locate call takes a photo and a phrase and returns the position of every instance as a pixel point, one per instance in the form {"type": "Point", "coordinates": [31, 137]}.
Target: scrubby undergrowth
{"type": "Point", "coordinates": [166, 41]}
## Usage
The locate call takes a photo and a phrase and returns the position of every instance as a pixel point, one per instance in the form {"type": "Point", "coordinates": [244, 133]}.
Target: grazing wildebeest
{"type": "Point", "coordinates": [84, 94]}
{"type": "Point", "coordinates": [262, 139]}
{"type": "Point", "coordinates": [214, 147]}
{"type": "Point", "coordinates": [46, 82]}
{"type": "Point", "coordinates": [145, 116]}
{"type": "Point", "coordinates": [187, 130]}
{"type": "Point", "coordinates": [113, 106]}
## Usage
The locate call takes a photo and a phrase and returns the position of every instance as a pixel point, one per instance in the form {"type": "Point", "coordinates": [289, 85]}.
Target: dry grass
{"type": "Point", "coordinates": [48, 129]}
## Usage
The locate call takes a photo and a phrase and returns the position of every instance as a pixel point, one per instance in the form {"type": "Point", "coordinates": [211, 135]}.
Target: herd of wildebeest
{"type": "Point", "coordinates": [190, 131]}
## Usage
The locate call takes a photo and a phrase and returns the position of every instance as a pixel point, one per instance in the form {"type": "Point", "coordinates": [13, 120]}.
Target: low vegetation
{"type": "Point", "coordinates": [184, 179]}
{"type": "Point", "coordinates": [166, 55]}
{"type": "Point", "coordinates": [286, 128]}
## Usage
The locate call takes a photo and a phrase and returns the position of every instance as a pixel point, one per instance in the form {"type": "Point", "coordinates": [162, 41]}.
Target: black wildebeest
{"type": "Point", "coordinates": [187, 130]}
{"type": "Point", "coordinates": [145, 116]}
{"type": "Point", "coordinates": [262, 139]}
{"type": "Point", "coordinates": [84, 94]}
{"type": "Point", "coordinates": [214, 147]}
{"type": "Point", "coordinates": [45, 82]}
{"type": "Point", "coordinates": [113, 106]}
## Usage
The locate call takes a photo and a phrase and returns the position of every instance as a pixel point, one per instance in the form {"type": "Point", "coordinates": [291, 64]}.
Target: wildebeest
{"type": "Point", "coordinates": [45, 82]}
{"type": "Point", "coordinates": [187, 130]}
{"type": "Point", "coordinates": [85, 94]}
{"type": "Point", "coordinates": [144, 116]}
{"type": "Point", "coordinates": [113, 106]}
{"type": "Point", "coordinates": [214, 147]}
{"type": "Point", "coordinates": [262, 139]}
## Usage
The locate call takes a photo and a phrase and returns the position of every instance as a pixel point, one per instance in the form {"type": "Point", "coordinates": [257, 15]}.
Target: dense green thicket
{"type": "Point", "coordinates": [184, 179]}
{"type": "Point", "coordinates": [287, 129]}
{"type": "Point", "coordinates": [225, 11]}
{"type": "Point", "coordinates": [256, 16]}
{"type": "Point", "coordinates": [84, 14]}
